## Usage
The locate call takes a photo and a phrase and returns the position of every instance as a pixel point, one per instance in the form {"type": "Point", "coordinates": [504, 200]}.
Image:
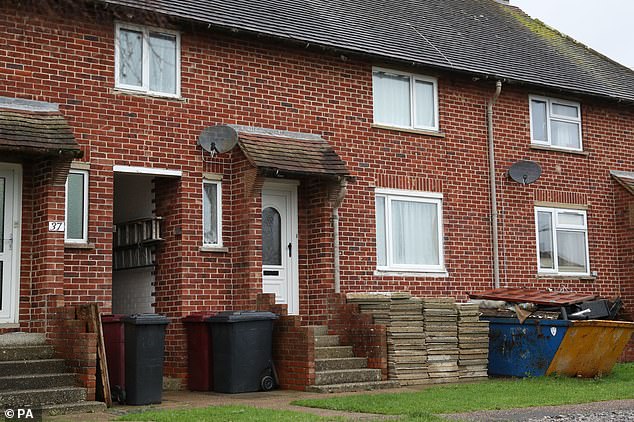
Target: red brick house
{"type": "Point", "coordinates": [361, 164]}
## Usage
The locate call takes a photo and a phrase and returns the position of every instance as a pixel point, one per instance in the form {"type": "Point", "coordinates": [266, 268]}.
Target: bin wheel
{"type": "Point", "coordinates": [118, 394]}
{"type": "Point", "coordinates": [267, 383]}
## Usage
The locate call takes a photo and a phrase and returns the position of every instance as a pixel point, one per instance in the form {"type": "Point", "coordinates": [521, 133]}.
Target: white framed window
{"type": "Point", "coordinates": [562, 241]}
{"type": "Point", "coordinates": [409, 233]}
{"type": "Point", "coordinates": [76, 207]}
{"type": "Point", "coordinates": [147, 60]}
{"type": "Point", "coordinates": [212, 213]}
{"type": "Point", "coordinates": [405, 100]}
{"type": "Point", "coordinates": [555, 123]}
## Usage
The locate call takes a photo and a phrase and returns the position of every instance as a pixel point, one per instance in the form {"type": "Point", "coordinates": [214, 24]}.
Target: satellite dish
{"type": "Point", "coordinates": [525, 172]}
{"type": "Point", "coordinates": [218, 139]}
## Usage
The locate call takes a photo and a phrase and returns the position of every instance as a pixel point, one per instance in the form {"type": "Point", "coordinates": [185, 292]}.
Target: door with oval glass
{"type": "Point", "coordinates": [279, 243]}
{"type": "Point", "coordinates": [10, 211]}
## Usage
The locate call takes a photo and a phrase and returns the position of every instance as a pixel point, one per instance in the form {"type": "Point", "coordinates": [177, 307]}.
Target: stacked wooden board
{"type": "Point", "coordinates": [402, 316]}
{"type": "Point", "coordinates": [430, 340]}
{"type": "Point", "coordinates": [441, 328]}
{"type": "Point", "coordinates": [473, 343]}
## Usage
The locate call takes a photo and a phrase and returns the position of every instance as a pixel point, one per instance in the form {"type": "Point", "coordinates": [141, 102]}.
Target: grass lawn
{"type": "Point", "coordinates": [487, 395]}
{"type": "Point", "coordinates": [225, 414]}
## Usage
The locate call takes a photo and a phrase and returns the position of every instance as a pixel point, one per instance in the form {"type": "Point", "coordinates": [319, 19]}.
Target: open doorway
{"type": "Point", "coordinates": [134, 241]}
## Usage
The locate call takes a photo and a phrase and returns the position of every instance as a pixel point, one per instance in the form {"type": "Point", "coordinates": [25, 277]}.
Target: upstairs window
{"type": "Point", "coordinates": [555, 123]}
{"type": "Point", "coordinates": [147, 60]}
{"type": "Point", "coordinates": [76, 227]}
{"type": "Point", "coordinates": [405, 100]}
{"type": "Point", "coordinates": [409, 231]}
{"type": "Point", "coordinates": [562, 241]}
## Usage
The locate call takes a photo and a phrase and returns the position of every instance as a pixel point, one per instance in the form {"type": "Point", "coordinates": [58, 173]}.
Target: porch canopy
{"type": "Point", "coordinates": [277, 152]}
{"type": "Point", "coordinates": [625, 179]}
{"type": "Point", "coordinates": [35, 128]}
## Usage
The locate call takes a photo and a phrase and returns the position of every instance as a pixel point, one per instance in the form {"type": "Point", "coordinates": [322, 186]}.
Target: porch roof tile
{"type": "Point", "coordinates": [29, 127]}
{"type": "Point", "coordinates": [303, 156]}
{"type": "Point", "coordinates": [625, 178]}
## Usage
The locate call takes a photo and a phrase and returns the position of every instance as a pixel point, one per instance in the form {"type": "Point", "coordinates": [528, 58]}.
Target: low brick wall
{"type": "Point", "coordinates": [73, 340]}
{"type": "Point", "coordinates": [293, 346]}
{"type": "Point", "coordinates": [359, 331]}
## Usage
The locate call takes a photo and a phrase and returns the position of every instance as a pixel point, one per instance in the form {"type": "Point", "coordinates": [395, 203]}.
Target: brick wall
{"type": "Point", "coordinates": [70, 61]}
{"type": "Point", "coordinates": [624, 213]}
{"type": "Point", "coordinates": [74, 341]}
{"type": "Point", "coordinates": [359, 331]}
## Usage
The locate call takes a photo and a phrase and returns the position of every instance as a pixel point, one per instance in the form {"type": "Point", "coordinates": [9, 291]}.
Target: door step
{"type": "Point", "coordinates": [42, 397]}
{"type": "Point", "coordinates": [31, 377]}
{"type": "Point", "coordinates": [338, 370]}
{"type": "Point", "coordinates": [340, 363]}
{"type": "Point", "coordinates": [354, 386]}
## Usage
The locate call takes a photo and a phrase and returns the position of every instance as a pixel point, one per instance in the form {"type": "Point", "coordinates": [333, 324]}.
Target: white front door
{"type": "Point", "coordinates": [279, 243]}
{"type": "Point", "coordinates": [10, 179]}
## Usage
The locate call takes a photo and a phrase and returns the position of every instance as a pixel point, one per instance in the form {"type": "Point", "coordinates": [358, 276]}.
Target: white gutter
{"type": "Point", "coordinates": [494, 202]}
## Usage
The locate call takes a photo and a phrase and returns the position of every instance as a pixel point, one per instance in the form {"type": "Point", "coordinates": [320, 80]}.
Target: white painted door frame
{"type": "Point", "coordinates": [283, 279]}
{"type": "Point", "coordinates": [11, 207]}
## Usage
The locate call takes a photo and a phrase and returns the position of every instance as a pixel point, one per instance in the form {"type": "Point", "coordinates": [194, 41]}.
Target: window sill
{"type": "Point", "coordinates": [213, 249]}
{"type": "Point", "coordinates": [555, 149]}
{"type": "Point", "coordinates": [5, 325]}
{"type": "Point", "coordinates": [427, 274]}
{"type": "Point", "coordinates": [70, 245]}
{"type": "Point", "coordinates": [410, 130]}
{"type": "Point", "coordinates": [124, 91]}
{"type": "Point", "coordinates": [566, 276]}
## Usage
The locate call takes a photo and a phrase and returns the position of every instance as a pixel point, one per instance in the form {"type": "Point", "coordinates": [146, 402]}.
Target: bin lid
{"type": "Point", "coordinates": [240, 316]}
{"type": "Point", "coordinates": [146, 319]}
{"type": "Point", "coordinates": [199, 317]}
{"type": "Point", "coordinates": [112, 318]}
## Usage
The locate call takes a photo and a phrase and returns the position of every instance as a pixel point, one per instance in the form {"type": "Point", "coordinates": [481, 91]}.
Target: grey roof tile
{"type": "Point", "coordinates": [475, 36]}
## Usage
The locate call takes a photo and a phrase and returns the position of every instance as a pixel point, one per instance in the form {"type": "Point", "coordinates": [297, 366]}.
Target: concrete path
{"type": "Point", "coordinates": [281, 400]}
{"type": "Point", "coordinates": [277, 399]}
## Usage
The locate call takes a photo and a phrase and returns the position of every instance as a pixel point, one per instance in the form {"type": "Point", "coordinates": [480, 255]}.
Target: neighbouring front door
{"type": "Point", "coordinates": [279, 243]}
{"type": "Point", "coordinates": [9, 238]}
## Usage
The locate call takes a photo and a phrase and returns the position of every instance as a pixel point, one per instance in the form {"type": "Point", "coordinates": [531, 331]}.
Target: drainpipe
{"type": "Point", "coordinates": [335, 236]}
{"type": "Point", "coordinates": [494, 202]}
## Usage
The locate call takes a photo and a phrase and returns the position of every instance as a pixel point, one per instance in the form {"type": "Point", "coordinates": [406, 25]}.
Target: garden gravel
{"type": "Point", "coordinates": [609, 411]}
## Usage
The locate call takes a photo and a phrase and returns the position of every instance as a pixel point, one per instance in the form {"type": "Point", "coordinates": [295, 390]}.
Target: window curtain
{"type": "Point", "coordinates": [130, 57]}
{"type": "Point", "coordinates": [392, 99]}
{"type": "Point", "coordinates": [571, 251]}
{"type": "Point", "coordinates": [565, 134]}
{"type": "Point", "coordinates": [162, 63]}
{"type": "Point", "coordinates": [210, 214]}
{"type": "Point", "coordinates": [538, 116]}
{"type": "Point", "coordinates": [414, 233]}
{"type": "Point", "coordinates": [425, 115]}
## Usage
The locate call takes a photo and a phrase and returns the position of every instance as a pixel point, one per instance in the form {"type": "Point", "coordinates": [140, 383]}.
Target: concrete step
{"type": "Point", "coordinates": [22, 339]}
{"type": "Point", "coordinates": [25, 352]}
{"type": "Point", "coordinates": [324, 341]}
{"type": "Point", "coordinates": [333, 352]}
{"type": "Point", "coordinates": [346, 376]}
{"type": "Point", "coordinates": [77, 407]}
{"type": "Point", "coordinates": [320, 330]}
{"type": "Point", "coordinates": [30, 382]}
{"type": "Point", "coordinates": [35, 366]}
{"type": "Point", "coordinates": [340, 363]}
{"type": "Point", "coordinates": [43, 396]}
{"type": "Point", "coordinates": [354, 386]}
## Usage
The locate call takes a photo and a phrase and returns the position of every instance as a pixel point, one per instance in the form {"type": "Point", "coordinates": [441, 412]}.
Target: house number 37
{"type": "Point", "coordinates": [55, 226]}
